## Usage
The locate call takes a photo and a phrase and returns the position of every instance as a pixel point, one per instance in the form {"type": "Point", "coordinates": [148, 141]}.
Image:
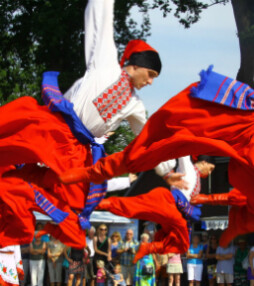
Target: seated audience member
{"type": "Point", "coordinates": [240, 274]}
{"type": "Point", "coordinates": [55, 261]}
{"type": "Point", "coordinates": [225, 263]}
{"type": "Point", "coordinates": [211, 259]}
{"type": "Point", "coordinates": [100, 274]}
{"type": "Point", "coordinates": [127, 250]}
{"type": "Point", "coordinates": [145, 267]}
{"type": "Point", "coordinates": [118, 276]}
{"type": "Point", "coordinates": [174, 269]}
{"type": "Point", "coordinates": [194, 262]}
{"type": "Point", "coordinates": [37, 261]}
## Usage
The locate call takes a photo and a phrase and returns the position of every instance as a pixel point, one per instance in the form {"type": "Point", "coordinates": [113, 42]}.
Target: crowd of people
{"type": "Point", "coordinates": [108, 260]}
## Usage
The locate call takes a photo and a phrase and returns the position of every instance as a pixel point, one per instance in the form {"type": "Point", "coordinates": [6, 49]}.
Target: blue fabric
{"type": "Point", "coordinates": [53, 98]}
{"type": "Point", "coordinates": [196, 250]}
{"type": "Point", "coordinates": [223, 90]}
{"type": "Point", "coordinates": [188, 211]}
{"type": "Point", "coordinates": [56, 214]}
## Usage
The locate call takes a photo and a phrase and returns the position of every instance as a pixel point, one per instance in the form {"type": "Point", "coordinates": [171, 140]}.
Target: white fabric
{"type": "Point", "coordinates": [165, 167]}
{"type": "Point", "coordinates": [10, 263]}
{"type": "Point", "coordinates": [103, 70]}
{"type": "Point", "coordinates": [194, 271]}
{"type": "Point", "coordinates": [118, 184]}
{"type": "Point", "coordinates": [89, 243]}
{"type": "Point", "coordinates": [186, 166]}
{"type": "Point", "coordinates": [37, 268]}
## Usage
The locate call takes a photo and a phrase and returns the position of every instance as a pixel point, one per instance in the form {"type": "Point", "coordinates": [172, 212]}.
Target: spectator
{"type": "Point", "coordinates": [174, 269]}
{"type": "Point", "coordinates": [204, 242]}
{"type": "Point", "coordinates": [225, 262]}
{"type": "Point", "coordinates": [118, 276]}
{"type": "Point", "coordinates": [45, 237]}
{"type": "Point", "coordinates": [55, 261]}
{"type": "Point", "coordinates": [145, 268]}
{"type": "Point", "coordinates": [76, 266]}
{"type": "Point", "coordinates": [102, 245]}
{"type": "Point", "coordinates": [25, 254]}
{"type": "Point", "coordinates": [127, 250]}
{"type": "Point", "coordinates": [240, 274]}
{"type": "Point", "coordinates": [66, 254]}
{"type": "Point", "coordinates": [37, 261]}
{"type": "Point", "coordinates": [89, 267]}
{"type": "Point", "coordinates": [161, 269]}
{"type": "Point", "coordinates": [211, 259]}
{"type": "Point", "coordinates": [115, 242]}
{"type": "Point", "coordinates": [251, 267]}
{"type": "Point", "coordinates": [194, 262]}
{"type": "Point", "coordinates": [100, 274]}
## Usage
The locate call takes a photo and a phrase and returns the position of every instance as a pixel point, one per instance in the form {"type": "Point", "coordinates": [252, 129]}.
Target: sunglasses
{"type": "Point", "coordinates": [103, 229]}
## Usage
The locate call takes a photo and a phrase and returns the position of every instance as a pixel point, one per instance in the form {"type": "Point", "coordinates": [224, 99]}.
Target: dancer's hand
{"type": "Point", "coordinates": [176, 180]}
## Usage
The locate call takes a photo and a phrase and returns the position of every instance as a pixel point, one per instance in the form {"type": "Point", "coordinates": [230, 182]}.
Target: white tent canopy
{"type": "Point", "coordinates": [215, 222]}
{"type": "Point", "coordinates": [104, 217]}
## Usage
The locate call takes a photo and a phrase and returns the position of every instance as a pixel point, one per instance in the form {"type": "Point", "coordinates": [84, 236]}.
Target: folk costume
{"type": "Point", "coordinates": [11, 268]}
{"type": "Point", "coordinates": [171, 209]}
{"type": "Point", "coordinates": [60, 135]}
{"type": "Point", "coordinates": [213, 117]}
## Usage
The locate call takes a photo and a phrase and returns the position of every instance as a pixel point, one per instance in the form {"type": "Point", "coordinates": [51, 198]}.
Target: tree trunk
{"type": "Point", "coordinates": [244, 17]}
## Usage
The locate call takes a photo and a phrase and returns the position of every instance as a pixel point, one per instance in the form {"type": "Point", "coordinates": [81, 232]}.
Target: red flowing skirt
{"type": "Point", "coordinates": [186, 125]}
{"type": "Point", "coordinates": [29, 134]}
{"type": "Point", "coordinates": [157, 206]}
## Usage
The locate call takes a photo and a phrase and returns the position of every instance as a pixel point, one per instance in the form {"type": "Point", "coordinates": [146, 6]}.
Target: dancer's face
{"type": "Point", "coordinates": [142, 76]}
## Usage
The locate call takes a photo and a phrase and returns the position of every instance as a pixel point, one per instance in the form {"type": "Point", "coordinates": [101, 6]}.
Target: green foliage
{"type": "Point", "coordinates": [39, 35]}
{"type": "Point", "coordinates": [120, 139]}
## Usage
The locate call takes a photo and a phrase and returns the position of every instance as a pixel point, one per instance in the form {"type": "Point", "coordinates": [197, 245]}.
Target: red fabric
{"type": "Point", "coordinates": [158, 206]}
{"type": "Point", "coordinates": [30, 133]}
{"type": "Point", "coordinates": [185, 125]}
{"type": "Point", "coordinates": [17, 203]}
{"type": "Point", "coordinates": [135, 46]}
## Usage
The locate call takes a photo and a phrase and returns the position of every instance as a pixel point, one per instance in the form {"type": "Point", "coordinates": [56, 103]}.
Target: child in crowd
{"type": "Point", "coordinates": [101, 274]}
{"type": "Point", "coordinates": [118, 276]}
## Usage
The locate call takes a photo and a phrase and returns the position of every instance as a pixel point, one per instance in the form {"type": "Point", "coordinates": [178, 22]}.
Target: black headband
{"type": "Point", "coordinates": [146, 59]}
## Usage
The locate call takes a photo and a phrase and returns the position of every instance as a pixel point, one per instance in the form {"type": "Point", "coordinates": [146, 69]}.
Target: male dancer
{"type": "Point", "coordinates": [170, 209]}
{"type": "Point", "coordinates": [58, 135]}
{"type": "Point", "coordinates": [213, 117]}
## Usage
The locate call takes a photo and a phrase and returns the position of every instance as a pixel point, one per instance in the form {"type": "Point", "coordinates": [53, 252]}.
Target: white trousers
{"type": "Point", "coordinates": [37, 268]}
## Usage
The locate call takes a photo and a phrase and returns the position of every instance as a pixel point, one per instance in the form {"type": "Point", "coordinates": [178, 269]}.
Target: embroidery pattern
{"type": "Point", "coordinates": [114, 98]}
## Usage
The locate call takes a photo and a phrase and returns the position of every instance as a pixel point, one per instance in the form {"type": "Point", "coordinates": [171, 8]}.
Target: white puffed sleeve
{"type": "Point", "coordinates": [118, 184]}
{"type": "Point", "coordinates": [165, 167]}
{"type": "Point", "coordinates": [137, 118]}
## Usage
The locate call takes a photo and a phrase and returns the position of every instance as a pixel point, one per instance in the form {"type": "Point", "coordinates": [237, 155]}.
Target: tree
{"type": "Point", "coordinates": [39, 35]}
{"type": "Point", "coordinates": [189, 11]}
{"type": "Point", "coordinates": [120, 139]}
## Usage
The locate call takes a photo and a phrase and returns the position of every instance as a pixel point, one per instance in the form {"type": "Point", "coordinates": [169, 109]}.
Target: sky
{"type": "Point", "coordinates": [185, 52]}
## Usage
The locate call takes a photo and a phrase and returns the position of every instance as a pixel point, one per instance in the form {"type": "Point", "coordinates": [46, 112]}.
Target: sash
{"type": "Point", "coordinates": [55, 101]}
{"type": "Point", "coordinates": [223, 90]}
